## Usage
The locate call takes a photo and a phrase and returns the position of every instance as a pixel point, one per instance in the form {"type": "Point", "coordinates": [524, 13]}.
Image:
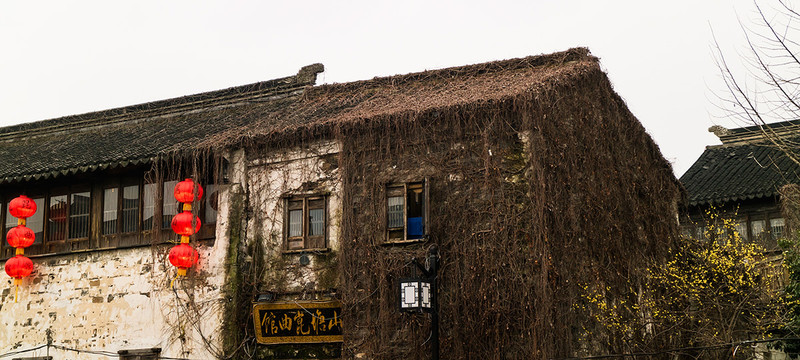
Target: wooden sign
{"type": "Point", "coordinates": [300, 322]}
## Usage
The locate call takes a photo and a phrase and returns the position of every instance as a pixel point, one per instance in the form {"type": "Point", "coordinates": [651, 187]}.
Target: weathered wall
{"type": "Point", "coordinates": [262, 264]}
{"type": "Point", "coordinates": [111, 300]}
{"type": "Point", "coordinates": [271, 177]}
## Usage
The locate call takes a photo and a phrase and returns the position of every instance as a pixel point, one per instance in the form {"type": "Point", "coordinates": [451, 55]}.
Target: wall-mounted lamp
{"type": "Point", "coordinates": [419, 295]}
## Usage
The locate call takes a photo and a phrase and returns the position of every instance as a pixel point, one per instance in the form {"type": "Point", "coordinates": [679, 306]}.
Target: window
{"type": "Point", "coordinates": [110, 209]}
{"type": "Point", "coordinates": [211, 203]}
{"type": "Point", "coordinates": [758, 229]}
{"type": "Point", "coordinates": [777, 228]}
{"type": "Point", "coordinates": [121, 209]}
{"type": "Point", "coordinates": [170, 205]}
{"type": "Point", "coordinates": [79, 204]}
{"type": "Point", "coordinates": [686, 231]}
{"type": "Point", "coordinates": [741, 228]}
{"type": "Point", "coordinates": [148, 205]}
{"type": "Point", "coordinates": [406, 211]}
{"type": "Point", "coordinates": [130, 208]}
{"type": "Point", "coordinates": [57, 218]}
{"type": "Point", "coordinates": [68, 216]}
{"type": "Point", "coordinates": [305, 222]}
{"type": "Point", "coordinates": [700, 232]}
{"type": "Point", "coordinates": [35, 222]}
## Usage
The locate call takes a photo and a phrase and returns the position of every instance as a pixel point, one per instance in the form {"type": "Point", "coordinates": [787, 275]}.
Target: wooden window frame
{"type": "Point", "coordinates": [7, 250]}
{"type": "Point", "coordinates": [120, 238]}
{"type": "Point", "coordinates": [74, 191]}
{"type": "Point", "coordinates": [766, 237]}
{"type": "Point", "coordinates": [67, 244]}
{"type": "Point", "coordinates": [395, 189]}
{"type": "Point", "coordinates": [308, 241]}
{"type": "Point", "coordinates": [126, 183]}
{"type": "Point", "coordinates": [207, 230]}
{"type": "Point", "coordinates": [164, 195]}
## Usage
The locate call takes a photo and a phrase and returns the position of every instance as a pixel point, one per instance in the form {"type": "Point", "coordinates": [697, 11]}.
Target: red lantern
{"type": "Point", "coordinates": [19, 267]}
{"type": "Point", "coordinates": [183, 257]}
{"type": "Point", "coordinates": [182, 224]}
{"type": "Point", "coordinates": [22, 207]}
{"type": "Point", "coordinates": [20, 237]}
{"type": "Point", "coordinates": [185, 224]}
{"type": "Point", "coordinates": [184, 191]}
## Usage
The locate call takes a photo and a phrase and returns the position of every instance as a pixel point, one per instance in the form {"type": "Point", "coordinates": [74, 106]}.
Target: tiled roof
{"type": "Point", "coordinates": [733, 173]}
{"type": "Point", "coordinates": [133, 134]}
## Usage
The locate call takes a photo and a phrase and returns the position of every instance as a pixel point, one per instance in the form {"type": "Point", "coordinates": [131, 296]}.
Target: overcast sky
{"type": "Point", "coordinates": [60, 58]}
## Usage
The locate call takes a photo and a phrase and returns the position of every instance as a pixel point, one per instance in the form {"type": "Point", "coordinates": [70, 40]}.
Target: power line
{"type": "Point", "coordinates": [21, 351]}
{"type": "Point", "coordinates": [93, 352]}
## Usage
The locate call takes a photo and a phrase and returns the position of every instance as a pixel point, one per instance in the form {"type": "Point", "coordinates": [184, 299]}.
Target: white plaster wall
{"type": "Point", "coordinates": [111, 300]}
{"type": "Point", "coordinates": [275, 175]}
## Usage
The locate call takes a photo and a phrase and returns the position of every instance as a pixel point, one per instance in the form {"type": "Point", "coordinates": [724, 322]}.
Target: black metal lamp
{"type": "Point", "coordinates": [418, 295]}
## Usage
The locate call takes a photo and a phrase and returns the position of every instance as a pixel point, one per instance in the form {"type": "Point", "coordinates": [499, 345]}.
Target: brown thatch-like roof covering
{"type": "Point", "coordinates": [282, 107]}
{"type": "Point", "coordinates": [433, 90]}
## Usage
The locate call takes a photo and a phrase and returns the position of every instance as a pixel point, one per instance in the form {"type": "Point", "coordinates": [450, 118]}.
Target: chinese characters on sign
{"type": "Point", "coordinates": [298, 322]}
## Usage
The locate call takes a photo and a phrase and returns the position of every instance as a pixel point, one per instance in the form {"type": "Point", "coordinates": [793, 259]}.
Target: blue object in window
{"type": "Point", "coordinates": [415, 228]}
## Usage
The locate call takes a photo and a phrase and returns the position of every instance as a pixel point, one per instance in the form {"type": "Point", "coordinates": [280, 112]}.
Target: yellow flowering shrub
{"type": "Point", "coordinates": [717, 289]}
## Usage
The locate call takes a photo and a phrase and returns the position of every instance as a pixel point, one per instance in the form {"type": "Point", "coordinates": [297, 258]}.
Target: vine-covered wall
{"type": "Point", "coordinates": [532, 197]}
{"type": "Point", "coordinates": [272, 179]}
{"type": "Point", "coordinates": [529, 199]}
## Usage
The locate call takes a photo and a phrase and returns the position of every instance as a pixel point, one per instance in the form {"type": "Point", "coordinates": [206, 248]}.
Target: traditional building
{"type": "Point", "coordinates": [524, 180]}
{"type": "Point", "coordinates": [742, 178]}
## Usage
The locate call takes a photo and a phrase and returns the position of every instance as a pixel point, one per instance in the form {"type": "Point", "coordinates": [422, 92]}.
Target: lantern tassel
{"type": "Point", "coordinates": [181, 272]}
{"type": "Point", "coordinates": [172, 283]}
{"type": "Point", "coordinates": [16, 289]}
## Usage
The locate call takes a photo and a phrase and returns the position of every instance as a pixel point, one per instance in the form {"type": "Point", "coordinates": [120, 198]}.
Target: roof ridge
{"type": "Point", "coordinates": [557, 58]}
{"type": "Point", "coordinates": [753, 133]}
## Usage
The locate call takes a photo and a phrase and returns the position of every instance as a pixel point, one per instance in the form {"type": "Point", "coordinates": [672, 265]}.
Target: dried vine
{"type": "Point", "coordinates": [531, 193]}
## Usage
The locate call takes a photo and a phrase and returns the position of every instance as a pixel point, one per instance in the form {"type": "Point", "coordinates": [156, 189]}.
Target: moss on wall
{"type": "Point", "coordinates": [234, 316]}
{"type": "Point", "coordinates": [327, 270]}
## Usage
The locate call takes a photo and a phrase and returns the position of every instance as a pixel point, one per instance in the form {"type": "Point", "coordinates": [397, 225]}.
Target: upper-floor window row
{"type": "Point", "coordinates": [761, 228]}
{"type": "Point", "coordinates": [110, 214]}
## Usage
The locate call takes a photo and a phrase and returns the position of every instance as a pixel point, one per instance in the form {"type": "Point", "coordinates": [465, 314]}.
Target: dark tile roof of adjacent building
{"type": "Point", "coordinates": [133, 134]}
{"type": "Point", "coordinates": [726, 173]}
{"type": "Point", "coordinates": [279, 107]}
